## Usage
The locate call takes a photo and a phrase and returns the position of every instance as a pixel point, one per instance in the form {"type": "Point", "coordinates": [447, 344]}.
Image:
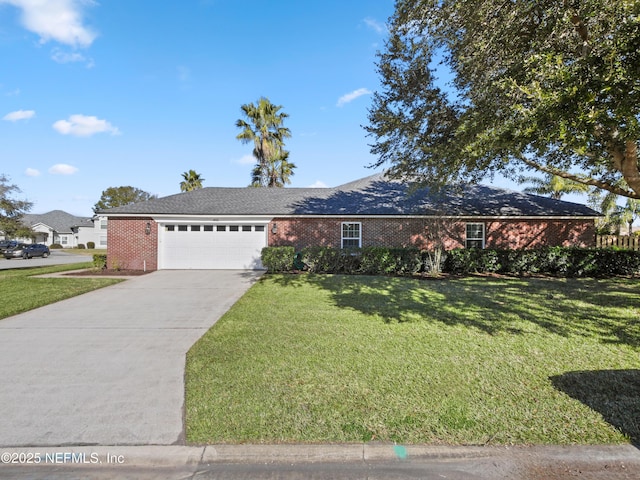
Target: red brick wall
{"type": "Point", "coordinates": [424, 233]}
{"type": "Point", "coordinates": [538, 233]}
{"type": "Point", "coordinates": [128, 245]}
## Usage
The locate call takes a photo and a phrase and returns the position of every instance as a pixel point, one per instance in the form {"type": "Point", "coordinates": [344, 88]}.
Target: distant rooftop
{"type": "Point", "coordinates": [58, 220]}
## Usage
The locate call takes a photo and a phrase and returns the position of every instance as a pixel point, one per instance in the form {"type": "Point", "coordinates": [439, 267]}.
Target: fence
{"type": "Point", "coordinates": [620, 241]}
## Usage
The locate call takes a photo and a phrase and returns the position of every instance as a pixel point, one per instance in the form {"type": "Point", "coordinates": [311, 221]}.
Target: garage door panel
{"type": "Point", "coordinates": [212, 249]}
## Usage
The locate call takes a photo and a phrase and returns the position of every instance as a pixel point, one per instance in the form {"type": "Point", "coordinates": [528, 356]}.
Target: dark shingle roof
{"type": "Point", "coordinates": [58, 220]}
{"type": "Point", "coordinates": [374, 195]}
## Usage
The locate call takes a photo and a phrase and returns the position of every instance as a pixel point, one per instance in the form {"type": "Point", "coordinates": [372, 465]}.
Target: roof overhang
{"type": "Point", "coordinates": [259, 218]}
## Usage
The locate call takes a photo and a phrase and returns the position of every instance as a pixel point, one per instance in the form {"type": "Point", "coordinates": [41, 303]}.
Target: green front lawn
{"type": "Point", "coordinates": [463, 361]}
{"type": "Point", "coordinates": [85, 251]}
{"type": "Point", "coordinates": [21, 291]}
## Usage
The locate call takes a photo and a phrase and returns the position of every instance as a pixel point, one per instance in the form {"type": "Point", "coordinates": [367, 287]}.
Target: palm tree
{"type": "Point", "coordinates": [192, 181]}
{"type": "Point", "coordinates": [553, 185]}
{"type": "Point", "coordinates": [615, 215]}
{"type": "Point", "coordinates": [280, 170]}
{"type": "Point", "coordinates": [277, 174]}
{"type": "Point", "coordinates": [264, 128]}
{"type": "Point", "coordinates": [626, 215]}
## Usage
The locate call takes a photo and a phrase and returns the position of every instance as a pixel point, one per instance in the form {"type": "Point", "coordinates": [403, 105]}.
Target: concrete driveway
{"type": "Point", "coordinates": [107, 367]}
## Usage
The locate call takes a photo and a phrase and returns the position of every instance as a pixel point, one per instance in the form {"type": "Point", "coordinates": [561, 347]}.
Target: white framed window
{"type": "Point", "coordinates": [475, 235]}
{"type": "Point", "coordinates": [103, 224]}
{"type": "Point", "coordinates": [103, 240]}
{"type": "Point", "coordinates": [351, 235]}
{"type": "Point", "coordinates": [64, 240]}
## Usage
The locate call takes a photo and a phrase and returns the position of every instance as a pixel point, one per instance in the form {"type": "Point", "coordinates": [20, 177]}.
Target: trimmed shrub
{"type": "Point", "coordinates": [81, 246]}
{"type": "Point", "coordinates": [324, 260]}
{"type": "Point", "coordinates": [99, 261]}
{"type": "Point", "coordinates": [91, 245]}
{"type": "Point", "coordinates": [559, 261]}
{"type": "Point", "coordinates": [277, 259]}
{"type": "Point", "coordinates": [55, 246]}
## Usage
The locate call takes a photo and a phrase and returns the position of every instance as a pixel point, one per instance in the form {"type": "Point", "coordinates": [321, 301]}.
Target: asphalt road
{"type": "Point", "coordinates": [56, 258]}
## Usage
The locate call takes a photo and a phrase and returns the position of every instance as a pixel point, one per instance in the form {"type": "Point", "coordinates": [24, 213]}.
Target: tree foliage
{"type": "Point", "coordinates": [120, 196]}
{"type": "Point", "coordinates": [553, 186]}
{"type": "Point", "coordinates": [551, 85]}
{"type": "Point", "coordinates": [12, 210]}
{"type": "Point", "coordinates": [263, 126]}
{"type": "Point", "coordinates": [191, 181]}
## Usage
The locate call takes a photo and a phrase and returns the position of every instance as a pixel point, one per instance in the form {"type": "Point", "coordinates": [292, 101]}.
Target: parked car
{"type": "Point", "coordinates": [25, 251]}
{"type": "Point", "coordinates": [7, 244]}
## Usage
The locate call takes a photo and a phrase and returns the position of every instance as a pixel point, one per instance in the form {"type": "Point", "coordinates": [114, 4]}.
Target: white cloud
{"type": "Point", "coordinates": [318, 184]}
{"type": "Point", "coordinates": [84, 126]}
{"type": "Point", "coordinates": [60, 56]}
{"type": "Point", "coordinates": [19, 115]}
{"type": "Point", "coordinates": [62, 169]}
{"type": "Point", "coordinates": [247, 160]}
{"type": "Point", "coordinates": [59, 20]}
{"type": "Point", "coordinates": [350, 97]}
{"type": "Point", "coordinates": [32, 172]}
{"type": "Point", "coordinates": [376, 26]}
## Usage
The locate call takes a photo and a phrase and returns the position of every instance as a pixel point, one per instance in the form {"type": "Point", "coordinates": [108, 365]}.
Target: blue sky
{"type": "Point", "coordinates": [104, 94]}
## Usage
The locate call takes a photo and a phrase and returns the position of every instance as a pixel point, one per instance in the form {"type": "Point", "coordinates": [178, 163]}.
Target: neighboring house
{"type": "Point", "coordinates": [226, 228]}
{"type": "Point", "coordinates": [67, 230]}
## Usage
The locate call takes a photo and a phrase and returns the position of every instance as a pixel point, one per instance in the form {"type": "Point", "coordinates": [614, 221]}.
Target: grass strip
{"type": "Point", "coordinates": [21, 291]}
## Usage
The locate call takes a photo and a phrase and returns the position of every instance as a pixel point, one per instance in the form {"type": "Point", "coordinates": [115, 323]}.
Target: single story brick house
{"type": "Point", "coordinates": [226, 228]}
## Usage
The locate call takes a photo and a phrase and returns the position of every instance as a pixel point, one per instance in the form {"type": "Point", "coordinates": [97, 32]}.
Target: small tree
{"type": "Point", "coordinates": [437, 229]}
{"type": "Point", "coordinates": [120, 196]}
{"type": "Point", "coordinates": [12, 210]}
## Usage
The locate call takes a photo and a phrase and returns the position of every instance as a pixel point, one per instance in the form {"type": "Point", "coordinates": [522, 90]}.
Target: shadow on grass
{"type": "Point", "coordinates": [606, 310]}
{"type": "Point", "coordinates": [615, 394]}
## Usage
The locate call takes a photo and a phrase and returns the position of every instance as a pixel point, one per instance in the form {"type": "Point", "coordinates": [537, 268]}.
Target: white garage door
{"type": "Point", "coordinates": [209, 247]}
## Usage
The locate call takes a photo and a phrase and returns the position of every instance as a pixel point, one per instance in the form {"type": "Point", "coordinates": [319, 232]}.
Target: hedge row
{"type": "Point", "coordinates": [364, 261]}
{"type": "Point", "coordinates": [558, 261]}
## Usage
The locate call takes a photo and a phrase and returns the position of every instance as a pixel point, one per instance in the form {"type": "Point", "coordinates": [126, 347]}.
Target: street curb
{"type": "Point", "coordinates": [186, 456]}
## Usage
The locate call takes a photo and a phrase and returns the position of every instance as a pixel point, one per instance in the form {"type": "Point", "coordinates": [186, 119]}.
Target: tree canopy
{"type": "Point", "coordinates": [191, 181]}
{"type": "Point", "coordinates": [263, 126]}
{"type": "Point", "coordinates": [551, 85]}
{"type": "Point", "coordinates": [12, 210]}
{"type": "Point", "coordinates": [120, 196]}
